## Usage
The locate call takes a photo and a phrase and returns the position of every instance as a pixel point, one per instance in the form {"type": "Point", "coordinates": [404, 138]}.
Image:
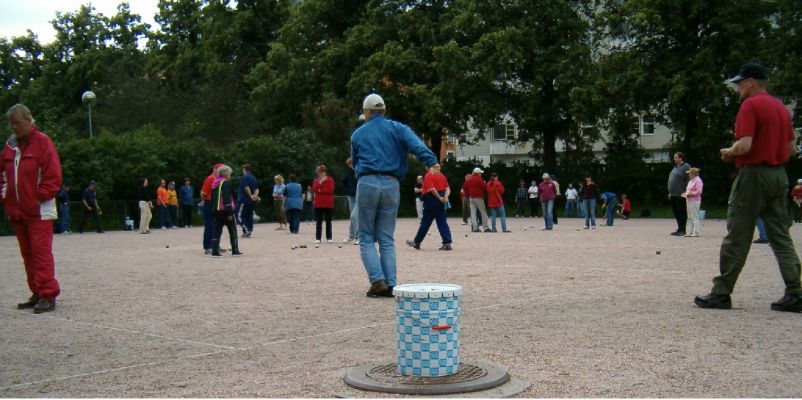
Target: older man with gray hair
{"type": "Point", "coordinates": [379, 151]}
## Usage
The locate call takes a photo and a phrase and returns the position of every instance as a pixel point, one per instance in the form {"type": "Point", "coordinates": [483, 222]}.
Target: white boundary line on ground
{"type": "Point", "coordinates": [232, 349]}
{"type": "Point", "coordinates": [140, 333]}
{"type": "Point", "coordinates": [651, 271]}
{"type": "Point", "coordinates": [105, 371]}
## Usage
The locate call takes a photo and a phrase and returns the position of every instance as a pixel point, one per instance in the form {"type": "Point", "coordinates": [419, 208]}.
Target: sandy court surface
{"type": "Point", "coordinates": [573, 312]}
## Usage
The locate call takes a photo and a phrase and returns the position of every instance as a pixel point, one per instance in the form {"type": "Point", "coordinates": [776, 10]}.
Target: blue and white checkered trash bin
{"type": "Point", "coordinates": [428, 329]}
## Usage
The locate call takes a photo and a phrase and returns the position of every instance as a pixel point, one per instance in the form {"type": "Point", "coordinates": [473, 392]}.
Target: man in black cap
{"type": "Point", "coordinates": [90, 207]}
{"type": "Point", "coordinates": [764, 141]}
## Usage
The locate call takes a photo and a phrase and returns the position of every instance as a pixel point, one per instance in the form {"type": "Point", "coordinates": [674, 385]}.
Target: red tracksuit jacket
{"type": "Point", "coordinates": [30, 178]}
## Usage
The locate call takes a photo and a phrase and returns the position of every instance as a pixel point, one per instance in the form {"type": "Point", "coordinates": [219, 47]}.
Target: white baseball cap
{"type": "Point", "coordinates": [478, 170]}
{"type": "Point", "coordinates": [373, 102]}
{"type": "Point", "coordinates": [546, 175]}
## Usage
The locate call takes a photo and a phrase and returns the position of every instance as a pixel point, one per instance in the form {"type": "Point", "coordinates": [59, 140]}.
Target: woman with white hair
{"type": "Point", "coordinates": [279, 196]}
{"type": "Point", "coordinates": [693, 197]}
{"type": "Point", "coordinates": [28, 188]}
{"type": "Point", "coordinates": [223, 207]}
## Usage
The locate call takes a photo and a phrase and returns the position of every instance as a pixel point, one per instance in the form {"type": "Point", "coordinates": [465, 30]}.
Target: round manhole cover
{"type": "Point", "coordinates": [384, 377]}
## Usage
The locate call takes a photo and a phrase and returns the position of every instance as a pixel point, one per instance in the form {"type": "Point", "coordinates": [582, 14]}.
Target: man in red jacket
{"type": "Point", "coordinates": [30, 178]}
{"type": "Point", "coordinates": [476, 188]}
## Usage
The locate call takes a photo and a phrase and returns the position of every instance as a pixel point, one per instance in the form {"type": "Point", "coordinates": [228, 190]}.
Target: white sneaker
{"type": "Point", "coordinates": [356, 242]}
{"type": "Point", "coordinates": [346, 240]}
{"type": "Point", "coordinates": [317, 241]}
{"type": "Point", "coordinates": [329, 241]}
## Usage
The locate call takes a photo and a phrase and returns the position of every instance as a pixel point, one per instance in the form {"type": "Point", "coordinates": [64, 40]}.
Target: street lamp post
{"type": "Point", "coordinates": [88, 98]}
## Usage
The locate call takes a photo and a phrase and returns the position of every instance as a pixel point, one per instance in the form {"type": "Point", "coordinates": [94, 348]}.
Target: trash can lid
{"type": "Point", "coordinates": [427, 290]}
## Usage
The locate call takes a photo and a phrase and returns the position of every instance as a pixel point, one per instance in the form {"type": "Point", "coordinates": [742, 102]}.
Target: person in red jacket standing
{"type": "Point", "coordinates": [30, 179]}
{"type": "Point", "coordinates": [475, 188]}
{"type": "Point", "coordinates": [495, 202]}
{"type": "Point", "coordinates": [323, 187]}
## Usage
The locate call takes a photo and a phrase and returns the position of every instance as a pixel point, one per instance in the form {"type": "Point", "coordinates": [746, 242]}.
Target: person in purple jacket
{"type": "Point", "coordinates": [548, 193]}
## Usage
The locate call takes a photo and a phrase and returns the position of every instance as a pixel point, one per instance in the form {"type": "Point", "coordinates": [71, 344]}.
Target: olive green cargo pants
{"type": "Point", "coordinates": [757, 191]}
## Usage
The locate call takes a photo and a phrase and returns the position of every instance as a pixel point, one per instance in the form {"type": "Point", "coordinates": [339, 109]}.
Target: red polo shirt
{"type": "Point", "coordinates": [437, 181]}
{"type": "Point", "coordinates": [766, 119]}
{"type": "Point", "coordinates": [206, 189]}
{"type": "Point", "coordinates": [475, 187]}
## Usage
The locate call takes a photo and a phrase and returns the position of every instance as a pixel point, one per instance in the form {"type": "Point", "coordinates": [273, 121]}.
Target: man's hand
{"type": "Point", "coordinates": [726, 155]}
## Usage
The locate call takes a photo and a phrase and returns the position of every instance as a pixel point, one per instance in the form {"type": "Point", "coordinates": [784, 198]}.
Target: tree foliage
{"type": "Point", "coordinates": [278, 83]}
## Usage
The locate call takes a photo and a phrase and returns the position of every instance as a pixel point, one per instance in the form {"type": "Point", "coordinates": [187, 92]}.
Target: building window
{"type": "Point", "coordinates": [504, 132]}
{"type": "Point", "coordinates": [510, 130]}
{"type": "Point", "coordinates": [647, 126]}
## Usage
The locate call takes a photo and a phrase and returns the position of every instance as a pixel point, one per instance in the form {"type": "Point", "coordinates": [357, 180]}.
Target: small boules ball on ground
{"type": "Point", "coordinates": [658, 252]}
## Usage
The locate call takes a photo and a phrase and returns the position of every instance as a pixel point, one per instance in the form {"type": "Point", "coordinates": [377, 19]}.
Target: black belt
{"type": "Point", "coordinates": [379, 174]}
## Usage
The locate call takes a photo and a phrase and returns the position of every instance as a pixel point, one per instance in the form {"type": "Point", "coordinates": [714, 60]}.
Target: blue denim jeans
{"type": "Point", "coordinates": [503, 213]}
{"type": "Point", "coordinates": [377, 198]}
{"type": "Point", "coordinates": [611, 205]}
{"type": "Point", "coordinates": [548, 213]}
{"type": "Point", "coordinates": [761, 229]}
{"type": "Point", "coordinates": [590, 211]}
{"type": "Point", "coordinates": [65, 217]}
{"type": "Point", "coordinates": [164, 217]}
{"type": "Point", "coordinates": [353, 230]}
{"type": "Point", "coordinates": [570, 208]}
{"type": "Point", "coordinates": [294, 219]}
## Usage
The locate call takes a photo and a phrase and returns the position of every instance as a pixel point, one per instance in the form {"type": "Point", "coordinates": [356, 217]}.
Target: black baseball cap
{"type": "Point", "coordinates": [750, 70]}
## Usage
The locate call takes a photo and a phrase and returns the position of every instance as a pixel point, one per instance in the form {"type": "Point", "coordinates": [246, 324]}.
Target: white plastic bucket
{"type": "Point", "coordinates": [428, 329]}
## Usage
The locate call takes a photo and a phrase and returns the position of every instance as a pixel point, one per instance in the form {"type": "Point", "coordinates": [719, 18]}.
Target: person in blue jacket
{"type": "Point", "coordinates": [294, 203]}
{"type": "Point", "coordinates": [379, 151]}
{"type": "Point", "coordinates": [610, 202]}
{"type": "Point", "coordinates": [247, 196]}
{"type": "Point", "coordinates": [185, 199]}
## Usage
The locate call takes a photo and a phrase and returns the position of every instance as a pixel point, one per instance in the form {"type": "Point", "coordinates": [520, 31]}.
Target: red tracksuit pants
{"type": "Point", "coordinates": [35, 239]}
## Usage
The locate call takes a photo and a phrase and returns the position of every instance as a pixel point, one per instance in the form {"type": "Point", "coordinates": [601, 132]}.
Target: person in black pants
{"type": "Point", "coordinates": [91, 208]}
{"type": "Point", "coordinates": [677, 183]}
{"type": "Point", "coordinates": [223, 207]}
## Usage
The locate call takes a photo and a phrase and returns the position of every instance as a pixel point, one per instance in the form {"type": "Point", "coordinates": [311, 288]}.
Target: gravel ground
{"type": "Point", "coordinates": [593, 313]}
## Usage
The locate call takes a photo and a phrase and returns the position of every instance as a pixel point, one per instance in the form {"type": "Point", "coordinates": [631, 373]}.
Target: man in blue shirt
{"type": "Point", "coordinates": [90, 207]}
{"type": "Point", "coordinates": [246, 198]}
{"type": "Point", "coordinates": [610, 201]}
{"type": "Point", "coordinates": [379, 151]}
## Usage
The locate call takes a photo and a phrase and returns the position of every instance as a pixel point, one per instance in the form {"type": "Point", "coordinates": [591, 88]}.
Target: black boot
{"type": "Point", "coordinates": [789, 302]}
{"type": "Point", "coordinates": [720, 301]}
{"type": "Point", "coordinates": [44, 305]}
{"type": "Point", "coordinates": [377, 288]}
{"type": "Point", "coordinates": [30, 303]}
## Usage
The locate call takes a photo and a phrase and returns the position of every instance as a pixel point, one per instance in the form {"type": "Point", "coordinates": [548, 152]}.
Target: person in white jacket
{"type": "Point", "coordinates": [693, 197]}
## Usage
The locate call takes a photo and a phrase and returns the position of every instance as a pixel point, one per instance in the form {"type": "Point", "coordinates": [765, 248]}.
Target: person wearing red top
{"type": "Point", "coordinates": [323, 187]}
{"type": "Point", "coordinates": [476, 188]}
{"type": "Point", "coordinates": [796, 194]}
{"type": "Point", "coordinates": [626, 207]}
{"type": "Point", "coordinates": [495, 202]}
{"type": "Point", "coordinates": [30, 179]}
{"type": "Point", "coordinates": [764, 142]}
{"type": "Point", "coordinates": [434, 195]}
{"type": "Point", "coordinates": [208, 212]}
{"type": "Point", "coordinates": [548, 192]}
